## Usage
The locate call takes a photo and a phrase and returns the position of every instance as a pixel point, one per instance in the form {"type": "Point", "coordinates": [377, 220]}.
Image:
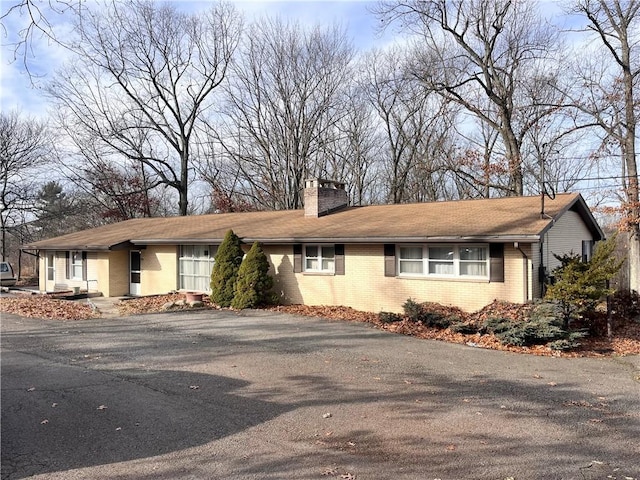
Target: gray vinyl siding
{"type": "Point", "coordinates": [564, 237]}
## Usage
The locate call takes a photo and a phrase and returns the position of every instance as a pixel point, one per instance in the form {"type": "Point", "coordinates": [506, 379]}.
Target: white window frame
{"type": "Point", "coordinates": [76, 264]}
{"type": "Point", "coordinates": [485, 262]}
{"type": "Point", "coordinates": [320, 258]}
{"type": "Point", "coordinates": [195, 261]}
{"type": "Point", "coordinates": [51, 267]}
{"type": "Point", "coordinates": [456, 262]}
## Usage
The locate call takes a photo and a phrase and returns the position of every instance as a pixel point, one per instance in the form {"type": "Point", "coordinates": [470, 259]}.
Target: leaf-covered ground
{"type": "Point", "coordinates": [41, 306]}
{"type": "Point", "coordinates": [625, 339]}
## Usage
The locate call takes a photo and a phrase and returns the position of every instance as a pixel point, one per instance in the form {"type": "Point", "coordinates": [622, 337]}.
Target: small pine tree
{"type": "Point", "coordinates": [581, 285]}
{"type": "Point", "coordinates": [225, 269]}
{"type": "Point", "coordinates": [253, 282]}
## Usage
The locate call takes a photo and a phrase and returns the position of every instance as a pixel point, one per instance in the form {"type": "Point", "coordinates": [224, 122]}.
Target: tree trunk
{"type": "Point", "coordinates": [634, 261]}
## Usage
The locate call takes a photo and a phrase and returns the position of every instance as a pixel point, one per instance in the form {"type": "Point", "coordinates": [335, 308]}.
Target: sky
{"type": "Point", "coordinates": [19, 91]}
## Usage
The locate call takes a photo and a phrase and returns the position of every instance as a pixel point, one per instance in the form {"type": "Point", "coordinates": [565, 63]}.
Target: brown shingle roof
{"type": "Point", "coordinates": [507, 219]}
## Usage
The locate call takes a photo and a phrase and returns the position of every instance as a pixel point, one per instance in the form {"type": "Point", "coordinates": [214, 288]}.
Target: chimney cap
{"type": "Point", "coordinates": [324, 183]}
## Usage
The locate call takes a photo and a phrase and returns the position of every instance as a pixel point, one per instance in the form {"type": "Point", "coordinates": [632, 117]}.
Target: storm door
{"type": "Point", "coordinates": [134, 273]}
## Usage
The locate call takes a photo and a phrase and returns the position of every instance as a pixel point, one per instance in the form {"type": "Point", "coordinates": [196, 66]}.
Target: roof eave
{"type": "Point", "coordinates": [400, 239]}
{"type": "Point", "coordinates": [583, 210]}
{"type": "Point", "coordinates": [70, 246]}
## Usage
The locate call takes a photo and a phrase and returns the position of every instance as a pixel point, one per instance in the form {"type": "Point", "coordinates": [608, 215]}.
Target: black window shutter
{"type": "Point", "coordinates": [84, 265]}
{"type": "Point", "coordinates": [297, 258]}
{"type": "Point", "coordinates": [339, 259]}
{"type": "Point", "coordinates": [67, 260]}
{"type": "Point", "coordinates": [389, 260]}
{"type": "Point", "coordinates": [496, 262]}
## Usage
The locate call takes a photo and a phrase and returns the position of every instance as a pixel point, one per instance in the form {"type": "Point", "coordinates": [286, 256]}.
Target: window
{"type": "Point", "coordinates": [444, 260]}
{"type": "Point", "coordinates": [76, 265]}
{"type": "Point", "coordinates": [473, 261]}
{"type": "Point", "coordinates": [194, 267]}
{"type": "Point", "coordinates": [441, 260]}
{"type": "Point", "coordinates": [587, 250]}
{"type": "Point", "coordinates": [319, 258]}
{"type": "Point", "coordinates": [51, 266]}
{"type": "Point", "coordinates": [411, 260]}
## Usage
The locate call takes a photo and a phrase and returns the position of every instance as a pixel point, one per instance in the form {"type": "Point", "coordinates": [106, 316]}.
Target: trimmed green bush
{"type": "Point", "coordinates": [389, 317]}
{"type": "Point", "coordinates": [496, 325]}
{"type": "Point", "coordinates": [438, 320]}
{"type": "Point", "coordinates": [253, 281]}
{"type": "Point", "coordinates": [225, 270]}
{"type": "Point", "coordinates": [464, 328]}
{"type": "Point", "coordinates": [413, 310]}
{"type": "Point", "coordinates": [545, 325]}
{"type": "Point", "coordinates": [431, 314]}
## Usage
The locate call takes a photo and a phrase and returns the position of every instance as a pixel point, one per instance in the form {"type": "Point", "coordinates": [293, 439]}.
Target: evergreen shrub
{"type": "Point", "coordinates": [225, 270]}
{"type": "Point", "coordinates": [253, 281]}
{"type": "Point", "coordinates": [389, 317]}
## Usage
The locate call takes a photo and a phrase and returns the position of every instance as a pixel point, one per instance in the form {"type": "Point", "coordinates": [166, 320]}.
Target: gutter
{"type": "Point", "coordinates": [360, 240]}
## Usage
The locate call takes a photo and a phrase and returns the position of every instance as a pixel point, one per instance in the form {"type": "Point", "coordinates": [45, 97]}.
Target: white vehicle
{"type": "Point", "coordinates": [7, 278]}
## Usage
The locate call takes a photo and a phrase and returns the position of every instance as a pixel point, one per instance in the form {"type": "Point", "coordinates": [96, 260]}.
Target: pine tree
{"type": "Point", "coordinates": [253, 282]}
{"type": "Point", "coordinates": [580, 286]}
{"type": "Point", "coordinates": [225, 269]}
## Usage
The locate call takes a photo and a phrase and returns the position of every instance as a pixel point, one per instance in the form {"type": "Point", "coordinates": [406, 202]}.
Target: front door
{"type": "Point", "coordinates": [51, 272]}
{"type": "Point", "coordinates": [134, 273]}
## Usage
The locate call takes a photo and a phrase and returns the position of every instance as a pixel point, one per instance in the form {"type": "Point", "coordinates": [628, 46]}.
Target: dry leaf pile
{"type": "Point", "coordinates": [42, 306]}
{"type": "Point", "coordinates": [156, 304]}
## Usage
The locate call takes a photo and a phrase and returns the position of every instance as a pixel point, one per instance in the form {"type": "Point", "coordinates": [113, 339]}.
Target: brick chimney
{"type": "Point", "coordinates": [322, 197]}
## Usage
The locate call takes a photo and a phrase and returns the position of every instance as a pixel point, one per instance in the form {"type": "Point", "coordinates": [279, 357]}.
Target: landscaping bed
{"type": "Point", "coordinates": [625, 339]}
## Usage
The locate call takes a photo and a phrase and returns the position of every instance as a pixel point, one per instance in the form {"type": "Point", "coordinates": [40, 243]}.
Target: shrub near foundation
{"type": "Point", "coordinates": [253, 281]}
{"type": "Point", "coordinates": [432, 314]}
{"type": "Point", "coordinates": [545, 326]}
{"type": "Point", "coordinates": [225, 270]}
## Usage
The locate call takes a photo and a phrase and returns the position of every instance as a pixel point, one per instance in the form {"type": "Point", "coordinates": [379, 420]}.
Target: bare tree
{"type": "Point", "coordinates": [283, 100]}
{"type": "Point", "coordinates": [417, 124]}
{"type": "Point", "coordinates": [145, 73]}
{"type": "Point", "coordinates": [37, 22]}
{"type": "Point", "coordinates": [355, 157]}
{"type": "Point", "coordinates": [24, 148]}
{"type": "Point", "coordinates": [487, 50]}
{"type": "Point", "coordinates": [609, 97]}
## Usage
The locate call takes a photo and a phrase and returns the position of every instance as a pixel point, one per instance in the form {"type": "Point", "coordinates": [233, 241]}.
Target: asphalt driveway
{"type": "Point", "coordinates": [257, 395]}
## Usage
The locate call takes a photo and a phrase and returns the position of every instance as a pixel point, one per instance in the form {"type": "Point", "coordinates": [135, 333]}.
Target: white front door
{"type": "Point", "coordinates": [134, 272]}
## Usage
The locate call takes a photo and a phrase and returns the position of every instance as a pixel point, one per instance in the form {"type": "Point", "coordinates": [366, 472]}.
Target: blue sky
{"type": "Point", "coordinates": [18, 91]}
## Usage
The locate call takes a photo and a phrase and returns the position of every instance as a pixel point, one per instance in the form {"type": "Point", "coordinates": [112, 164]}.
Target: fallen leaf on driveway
{"type": "Point", "coordinates": [44, 422]}
{"type": "Point", "coordinates": [330, 471]}
{"type": "Point", "coordinates": [102, 407]}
